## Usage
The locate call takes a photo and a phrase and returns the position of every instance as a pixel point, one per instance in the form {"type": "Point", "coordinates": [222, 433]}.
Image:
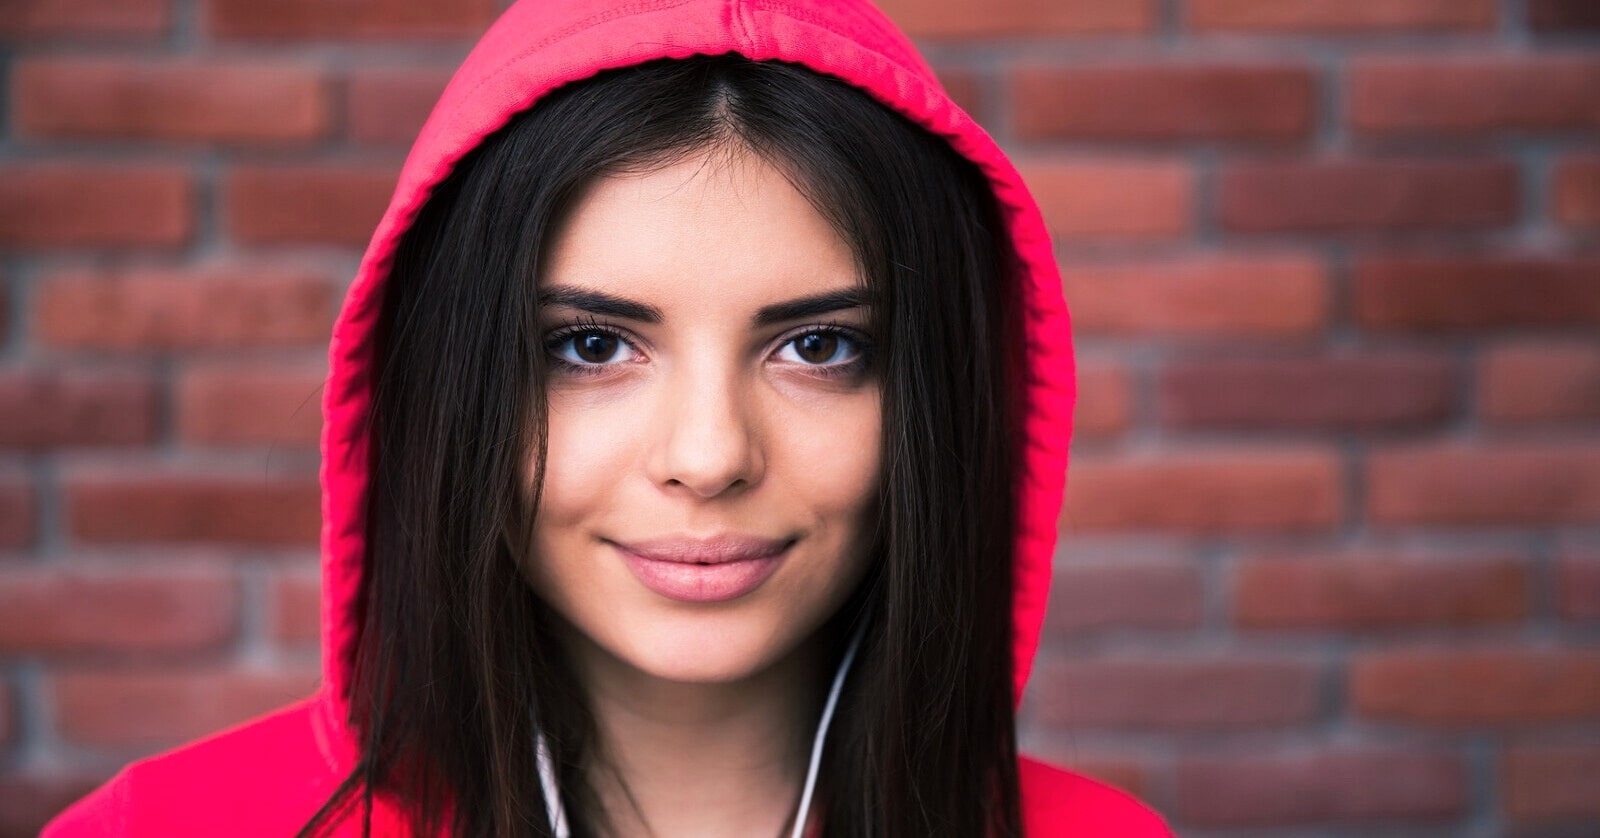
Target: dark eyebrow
{"type": "Point", "coordinates": [601, 303]}
{"type": "Point", "coordinates": [811, 306]}
{"type": "Point", "coordinates": [598, 302]}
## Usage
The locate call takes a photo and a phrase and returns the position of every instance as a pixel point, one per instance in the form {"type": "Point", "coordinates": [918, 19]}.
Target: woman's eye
{"type": "Point", "coordinates": [591, 347]}
{"type": "Point", "coordinates": [820, 349]}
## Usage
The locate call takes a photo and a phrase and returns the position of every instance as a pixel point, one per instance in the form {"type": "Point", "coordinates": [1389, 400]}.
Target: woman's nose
{"type": "Point", "coordinates": [708, 442]}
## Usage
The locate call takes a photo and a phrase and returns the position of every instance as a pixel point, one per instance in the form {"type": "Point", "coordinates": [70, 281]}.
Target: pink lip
{"type": "Point", "coordinates": [703, 570]}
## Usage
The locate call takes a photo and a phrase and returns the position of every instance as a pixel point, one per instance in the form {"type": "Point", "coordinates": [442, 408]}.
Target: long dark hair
{"type": "Point", "coordinates": [457, 655]}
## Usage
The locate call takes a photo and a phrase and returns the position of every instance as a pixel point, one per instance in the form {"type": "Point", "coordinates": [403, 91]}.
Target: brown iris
{"type": "Point", "coordinates": [816, 347]}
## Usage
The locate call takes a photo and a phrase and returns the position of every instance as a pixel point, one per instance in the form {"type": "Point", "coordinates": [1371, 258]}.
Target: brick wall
{"type": "Point", "coordinates": [1331, 560]}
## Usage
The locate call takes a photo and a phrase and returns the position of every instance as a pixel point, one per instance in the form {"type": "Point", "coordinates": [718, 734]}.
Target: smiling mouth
{"type": "Point", "coordinates": [703, 570]}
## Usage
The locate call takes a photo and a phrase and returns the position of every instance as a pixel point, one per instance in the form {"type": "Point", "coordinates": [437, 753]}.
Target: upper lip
{"type": "Point", "coordinates": [716, 549]}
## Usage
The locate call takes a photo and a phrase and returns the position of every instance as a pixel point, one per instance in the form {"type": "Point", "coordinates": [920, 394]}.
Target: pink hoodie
{"type": "Point", "coordinates": [267, 776]}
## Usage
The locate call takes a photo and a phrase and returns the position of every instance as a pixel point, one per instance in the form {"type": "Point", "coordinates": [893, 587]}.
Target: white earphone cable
{"type": "Point", "coordinates": [822, 731]}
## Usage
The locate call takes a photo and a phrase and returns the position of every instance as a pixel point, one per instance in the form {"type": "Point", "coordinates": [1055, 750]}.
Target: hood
{"type": "Point", "coordinates": [539, 45]}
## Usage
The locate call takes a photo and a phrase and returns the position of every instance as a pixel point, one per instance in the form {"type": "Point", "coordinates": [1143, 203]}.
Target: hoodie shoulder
{"type": "Point", "coordinates": [266, 776]}
{"type": "Point", "coordinates": [1060, 802]}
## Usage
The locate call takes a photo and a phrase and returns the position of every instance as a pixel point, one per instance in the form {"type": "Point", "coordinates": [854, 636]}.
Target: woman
{"type": "Point", "coordinates": [694, 438]}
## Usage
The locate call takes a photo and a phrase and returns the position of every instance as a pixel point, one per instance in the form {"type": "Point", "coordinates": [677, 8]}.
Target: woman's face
{"type": "Point", "coordinates": [714, 419]}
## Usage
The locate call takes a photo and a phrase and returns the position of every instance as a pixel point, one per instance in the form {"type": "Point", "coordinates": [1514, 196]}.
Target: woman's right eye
{"type": "Point", "coordinates": [590, 348]}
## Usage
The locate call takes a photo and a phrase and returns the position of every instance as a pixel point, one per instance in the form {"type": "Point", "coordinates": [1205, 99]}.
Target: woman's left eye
{"type": "Point", "coordinates": [821, 348]}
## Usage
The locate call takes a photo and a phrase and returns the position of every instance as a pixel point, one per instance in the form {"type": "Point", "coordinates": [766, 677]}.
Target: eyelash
{"type": "Point", "coordinates": [573, 328]}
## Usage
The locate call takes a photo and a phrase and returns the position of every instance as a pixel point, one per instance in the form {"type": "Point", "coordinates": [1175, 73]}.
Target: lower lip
{"type": "Point", "coordinates": [689, 582]}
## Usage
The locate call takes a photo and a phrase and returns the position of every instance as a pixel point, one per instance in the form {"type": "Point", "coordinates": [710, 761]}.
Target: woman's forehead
{"type": "Point", "coordinates": [721, 229]}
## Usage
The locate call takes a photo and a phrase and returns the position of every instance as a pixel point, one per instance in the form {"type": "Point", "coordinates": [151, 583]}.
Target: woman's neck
{"type": "Point", "coordinates": [714, 759]}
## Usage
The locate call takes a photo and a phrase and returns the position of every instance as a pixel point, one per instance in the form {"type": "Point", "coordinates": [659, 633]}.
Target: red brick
{"type": "Point", "coordinates": [1504, 484]}
{"type": "Point", "coordinates": [251, 403]}
{"type": "Point", "coordinates": [1551, 16]}
{"type": "Point", "coordinates": [1242, 490]}
{"type": "Point", "coordinates": [1232, 693]}
{"type": "Point", "coordinates": [1105, 400]}
{"type": "Point", "coordinates": [388, 107]}
{"type": "Point", "coordinates": [1338, 785]}
{"type": "Point", "coordinates": [8, 726]}
{"type": "Point", "coordinates": [1127, 774]}
{"type": "Point", "coordinates": [170, 100]}
{"type": "Point", "coordinates": [44, 407]}
{"type": "Point", "coordinates": [146, 709]}
{"type": "Point", "coordinates": [18, 512]}
{"type": "Point", "coordinates": [1476, 687]}
{"type": "Point", "coordinates": [1377, 592]}
{"type": "Point", "coordinates": [303, 204]}
{"type": "Point", "coordinates": [1474, 95]}
{"type": "Point", "coordinates": [296, 608]}
{"type": "Point", "coordinates": [999, 18]}
{"type": "Point", "coordinates": [1453, 293]}
{"type": "Point", "coordinates": [193, 508]}
{"type": "Point", "coordinates": [349, 18]}
{"type": "Point", "coordinates": [1206, 297]}
{"type": "Point", "coordinates": [94, 18]}
{"type": "Point", "coordinates": [1164, 102]}
{"type": "Point", "coordinates": [1341, 16]}
{"type": "Point", "coordinates": [1355, 195]}
{"type": "Point", "coordinates": [1577, 192]}
{"type": "Point", "coordinates": [1540, 383]}
{"type": "Point", "coordinates": [1331, 392]}
{"type": "Point", "coordinates": [1124, 594]}
{"type": "Point", "coordinates": [164, 310]}
{"type": "Point", "coordinates": [1114, 199]}
{"type": "Point", "coordinates": [1578, 586]}
{"type": "Point", "coordinates": [73, 205]}
{"type": "Point", "coordinates": [1544, 782]}
{"type": "Point", "coordinates": [27, 801]}
{"type": "Point", "coordinates": [964, 88]}
{"type": "Point", "coordinates": [74, 610]}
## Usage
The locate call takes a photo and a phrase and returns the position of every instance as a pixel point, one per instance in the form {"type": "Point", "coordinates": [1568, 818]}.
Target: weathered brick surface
{"type": "Point", "coordinates": [1557, 16]}
{"type": "Point", "coordinates": [1247, 490]}
{"type": "Point", "coordinates": [1340, 16]}
{"type": "Point", "coordinates": [1221, 298]}
{"type": "Point", "coordinates": [1475, 95]}
{"type": "Point", "coordinates": [1341, 785]}
{"type": "Point", "coordinates": [52, 407]}
{"type": "Point", "coordinates": [62, 205]}
{"type": "Point", "coordinates": [306, 205]}
{"type": "Point", "coordinates": [1236, 693]}
{"type": "Point", "coordinates": [1125, 594]}
{"type": "Point", "coordinates": [162, 310]}
{"type": "Point", "coordinates": [1577, 191]}
{"type": "Point", "coordinates": [1552, 782]}
{"type": "Point", "coordinates": [1473, 687]}
{"type": "Point", "coordinates": [177, 508]}
{"type": "Point", "coordinates": [98, 19]}
{"type": "Point", "coordinates": [253, 103]}
{"type": "Point", "coordinates": [152, 708]}
{"type": "Point", "coordinates": [85, 610]}
{"type": "Point", "coordinates": [1164, 102]}
{"type": "Point", "coordinates": [946, 19]}
{"type": "Point", "coordinates": [1505, 484]}
{"type": "Point", "coordinates": [365, 19]}
{"type": "Point", "coordinates": [1341, 392]}
{"type": "Point", "coordinates": [1476, 293]}
{"type": "Point", "coordinates": [1366, 195]}
{"type": "Point", "coordinates": [1355, 593]}
{"type": "Point", "coordinates": [256, 403]}
{"type": "Point", "coordinates": [1113, 200]}
{"type": "Point", "coordinates": [1540, 382]}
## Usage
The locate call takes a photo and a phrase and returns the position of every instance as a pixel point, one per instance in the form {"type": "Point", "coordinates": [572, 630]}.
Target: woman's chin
{"type": "Point", "coordinates": [688, 650]}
